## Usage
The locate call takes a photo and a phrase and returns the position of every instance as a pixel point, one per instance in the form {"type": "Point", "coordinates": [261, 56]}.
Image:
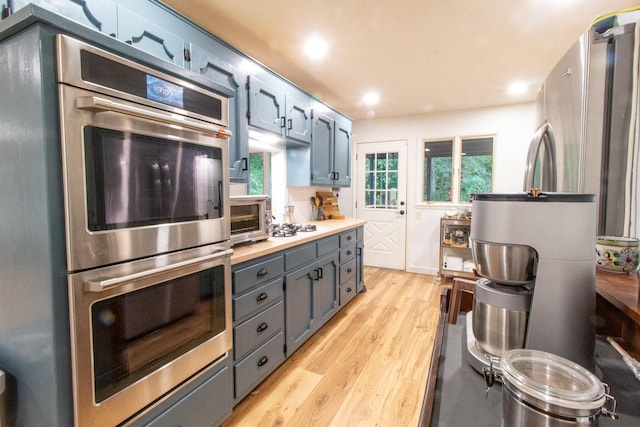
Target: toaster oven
{"type": "Point", "coordinates": [250, 218]}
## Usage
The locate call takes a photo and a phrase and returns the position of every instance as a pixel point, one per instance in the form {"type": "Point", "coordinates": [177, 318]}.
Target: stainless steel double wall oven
{"type": "Point", "coordinates": [145, 168]}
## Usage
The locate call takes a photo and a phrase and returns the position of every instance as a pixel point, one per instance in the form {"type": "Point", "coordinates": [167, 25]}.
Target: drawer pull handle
{"type": "Point", "coordinates": [349, 270]}
{"type": "Point", "coordinates": [263, 272]}
{"type": "Point", "coordinates": [349, 252]}
{"type": "Point", "coordinates": [349, 238]}
{"type": "Point", "coordinates": [349, 290]}
{"type": "Point", "coordinates": [263, 361]}
{"type": "Point", "coordinates": [263, 296]}
{"type": "Point", "coordinates": [262, 327]}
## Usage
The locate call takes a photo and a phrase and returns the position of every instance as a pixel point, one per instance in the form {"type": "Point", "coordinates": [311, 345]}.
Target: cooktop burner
{"type": "Point", "coordinates": [288, 230]}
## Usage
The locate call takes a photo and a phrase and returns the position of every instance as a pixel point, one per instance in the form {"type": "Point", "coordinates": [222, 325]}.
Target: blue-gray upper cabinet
{"type": "Point", "coordinates": [266, 106]}
{"type": "Point", "coordinates": [331, 150]}
{"type": "Point", "coordinates": [276, 110]}
{"type": "Point", "coordinates": [211, 66]}
{"type": "Point", "coordinates": [298, 119]}
{"type": "Point", "coordinates": [150, 37]}
{"type": "Point", "coordinates": [322, 146]}
{"type": "Point", "coordinates": [100, 15]}
{"type": "Point", "coordinates": [342, 153]}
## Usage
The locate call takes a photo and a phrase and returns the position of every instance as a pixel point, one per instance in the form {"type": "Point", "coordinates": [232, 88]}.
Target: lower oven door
{"type": "Point", "coordinates": [142, 328]}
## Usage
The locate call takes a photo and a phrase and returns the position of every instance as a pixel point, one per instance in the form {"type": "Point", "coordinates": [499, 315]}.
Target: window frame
{"type": "Point", "coordinates": [456, 160]}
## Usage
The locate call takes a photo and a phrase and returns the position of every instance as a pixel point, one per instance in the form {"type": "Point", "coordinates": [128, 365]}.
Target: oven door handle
{"type": "Point", "coordinates": [102, 285]}
{"type": "Point", "coordinates": [96, 103]}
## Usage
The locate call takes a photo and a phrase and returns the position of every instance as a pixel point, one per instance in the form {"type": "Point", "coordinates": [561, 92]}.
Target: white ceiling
{"type": "Point", "coordinates": [420, 55]}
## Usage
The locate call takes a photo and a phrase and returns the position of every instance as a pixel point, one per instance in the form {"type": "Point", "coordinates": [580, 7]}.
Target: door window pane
{"type": "Point", "coordinates": [381, 180]}
{"type": "Point", "coordinates": [438, 171]}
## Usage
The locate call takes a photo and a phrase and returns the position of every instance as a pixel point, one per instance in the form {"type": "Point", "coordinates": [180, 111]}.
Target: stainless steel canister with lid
{"type": "Point", "coordinates": [543, 389]}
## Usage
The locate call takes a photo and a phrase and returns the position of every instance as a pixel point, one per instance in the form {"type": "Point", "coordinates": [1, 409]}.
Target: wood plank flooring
{"type": "Point", "coordinates": [367, 366]}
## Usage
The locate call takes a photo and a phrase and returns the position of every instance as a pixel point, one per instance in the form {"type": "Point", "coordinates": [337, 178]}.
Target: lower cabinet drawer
{"type": "Point", "coordinates": [255, 300]}
{"type": "Point", "coordinates": [209, 404]}
{"type": "Point", "coordinates": [299, 255]}
{"type": "Point", "coordinates": [347, 252]}
{"type": "Point", "coordinates": [347, 291]}
{"type": "Point", "coordinates": [347, 271]}
{"type": "Point", "coordinates": [258, 365]}
{"type": "Point", "coordinates": [250, 334]}
{"type": "Point", "coordinates": [347, 238]}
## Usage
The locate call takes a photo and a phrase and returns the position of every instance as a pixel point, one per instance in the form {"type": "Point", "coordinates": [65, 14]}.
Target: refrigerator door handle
{"type": "Point", "coordinates": [543, 135]}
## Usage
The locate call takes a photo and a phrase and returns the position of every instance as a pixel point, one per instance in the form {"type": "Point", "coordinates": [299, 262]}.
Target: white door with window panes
{"type": "Point", "coordinates": [381, 200]}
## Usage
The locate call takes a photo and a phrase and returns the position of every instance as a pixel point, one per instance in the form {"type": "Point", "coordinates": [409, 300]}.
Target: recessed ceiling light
{"type": "Point", "coordinates": [371, 98]}
{"type": "Point", "coordinates": [518, 88]}
{"type": "Point", "coordinates": [316, 47]}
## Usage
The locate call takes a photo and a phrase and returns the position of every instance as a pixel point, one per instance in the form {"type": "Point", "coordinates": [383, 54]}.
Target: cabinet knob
{"type": "Point", "coordinates": [263, 272]}
{"type": "Point", "coordinates": [349, 290]}
{"type": "Point", "coordinates": [262, 327]}
{"type": "Point", "coordinates": [263, 296]}
{"type": "Point", "coordinates": [348, 252]}
{"type": "Point", "coordinates": [349, 270]}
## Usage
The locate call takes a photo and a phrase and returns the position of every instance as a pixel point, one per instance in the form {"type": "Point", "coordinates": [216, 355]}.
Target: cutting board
{"type": "Point", "coordinates": [329, 203]}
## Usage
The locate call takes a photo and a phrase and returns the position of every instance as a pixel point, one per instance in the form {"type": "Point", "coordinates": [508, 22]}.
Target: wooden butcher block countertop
{"type": "Point", "coordinates": [275, 244]}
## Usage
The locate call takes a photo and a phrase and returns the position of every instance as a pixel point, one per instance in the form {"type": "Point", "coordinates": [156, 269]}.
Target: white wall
{"type": "Point", "coordinates": [513, 126]}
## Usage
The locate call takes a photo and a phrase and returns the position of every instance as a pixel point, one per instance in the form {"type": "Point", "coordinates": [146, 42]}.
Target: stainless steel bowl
{"type": "Point", "coordinates": [505, 263]}
{"type": "Point", "coordinates": [500, 315]}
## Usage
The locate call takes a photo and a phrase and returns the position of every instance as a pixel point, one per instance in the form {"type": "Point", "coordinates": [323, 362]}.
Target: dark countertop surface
{"type": "Point", "coordinates": [459, 398]}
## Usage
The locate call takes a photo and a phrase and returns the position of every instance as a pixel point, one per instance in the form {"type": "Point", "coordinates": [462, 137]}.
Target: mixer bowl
{"type": "Point", "coordinates": [500, 315]}
{"type": "Point", "coordinates": [504, 263]}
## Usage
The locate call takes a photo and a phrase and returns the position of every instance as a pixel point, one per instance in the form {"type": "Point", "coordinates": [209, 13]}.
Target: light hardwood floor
{"type": "Point", "coordinates": [367, 366]}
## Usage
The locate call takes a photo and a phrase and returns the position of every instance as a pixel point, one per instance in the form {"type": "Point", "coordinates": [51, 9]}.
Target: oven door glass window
{"type": "Point", "coordinates": [245, 218]}
{"type": "Point", "coordinates": [136, 333]}
{"type": "Point", "coordinates": [136, 180]}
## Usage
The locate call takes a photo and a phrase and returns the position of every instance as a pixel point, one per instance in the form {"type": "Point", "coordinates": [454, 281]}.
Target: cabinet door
{"type": "Point", "coordinates": [97, 14]}
{"type": "Point", "coordinates": [266, 106]}
{"type": "Point", "coordinates": [325, 291]}
{"type": "Point", "coordinates": [342, 154]}
{"type": "Point", "coordinates": [298, 120]}
{"type": "Point", "coordinates": [150, 37]}
{"type": "Point", "coordinates": [322, 149]}
{"type": "Point", "coordinates": [359, 266]}
{"type": "Point", "coordinates": [208, 65]}
{"type": "Point", "coordinates": [299, 310]}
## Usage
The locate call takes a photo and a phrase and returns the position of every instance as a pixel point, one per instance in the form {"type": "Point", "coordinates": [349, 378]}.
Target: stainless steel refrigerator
{"type": "Point", "coordinates": [587, 110]}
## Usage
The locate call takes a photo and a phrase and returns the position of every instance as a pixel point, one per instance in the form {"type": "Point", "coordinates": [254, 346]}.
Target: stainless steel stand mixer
{"type": "Point", "coordinates": [535, 253]}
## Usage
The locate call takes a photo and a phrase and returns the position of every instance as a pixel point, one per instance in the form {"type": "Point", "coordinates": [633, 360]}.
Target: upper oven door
{"type": "Point", "coordinates": [138, 181]}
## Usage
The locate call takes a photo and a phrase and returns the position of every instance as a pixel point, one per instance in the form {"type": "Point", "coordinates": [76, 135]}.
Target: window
{"type": "Point", "coordinates": [381, 175]}
{"type": "Point", "coordinates": [259, 173]}
{"type": "Point", "coordinates": [456, 168]}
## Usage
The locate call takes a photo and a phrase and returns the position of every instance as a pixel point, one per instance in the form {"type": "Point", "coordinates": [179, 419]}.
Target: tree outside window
{"type": "Point", "coordinates": [259, 173]}
{"type": "Point", "coordinates": [456, 168]}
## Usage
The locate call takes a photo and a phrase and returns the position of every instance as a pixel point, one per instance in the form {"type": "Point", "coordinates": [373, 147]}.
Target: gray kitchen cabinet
{"type": "Point", "coordinates": [348, 266]}
{"type": "Point", "coordinates": [342, 152]}
{"type": "Point", "coordinates": [210, 65]}
{"type": "Point", "coordinates": [360, 287]}
{"type": "Point", "coordinates": [204, 401]}
{"type": "Point", "coordinates": [258, 321]}
{"type": "Point", "coordinates": [330, 150]}
{"type": "Point", "coordinates": [100, 15]}
{"type": "Point", "coordinates": [311, 298]}
{"type": "Point", "coordinates": [276, 108]}
{"type": "Point", "coordinates": [150, 37]}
